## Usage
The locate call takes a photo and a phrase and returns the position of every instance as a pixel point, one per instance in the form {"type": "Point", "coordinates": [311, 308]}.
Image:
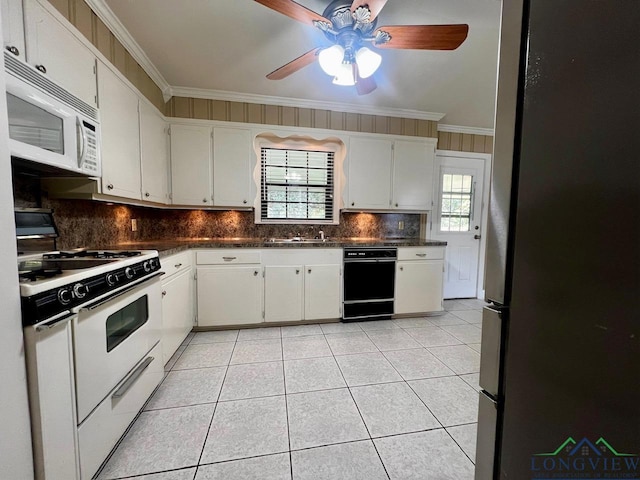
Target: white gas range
{"type": "Point", "coordinates": [92, 323]}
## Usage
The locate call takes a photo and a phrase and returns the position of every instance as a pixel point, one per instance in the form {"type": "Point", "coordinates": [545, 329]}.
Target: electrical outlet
{"type": "Point", "coordinates": [400, 225]}
{"type": "Point", "coordinates": [134, 225]}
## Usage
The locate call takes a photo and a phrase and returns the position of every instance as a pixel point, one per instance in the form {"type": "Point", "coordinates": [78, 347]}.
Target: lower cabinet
{"type": "Point", "coordinates": [419, 282]}
{"type": "Point", "coordinates": [177, 311]}
{"type": "Point", "coordinates": [229, 295]}
{"type": "Point", "coordinates": [283, 293]}
{"type": "Point", "coordinates": [322, 287]}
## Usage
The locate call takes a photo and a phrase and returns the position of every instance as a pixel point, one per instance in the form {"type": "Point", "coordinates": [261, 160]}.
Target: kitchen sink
{"type": "Point", "coordinates": [298, 240]}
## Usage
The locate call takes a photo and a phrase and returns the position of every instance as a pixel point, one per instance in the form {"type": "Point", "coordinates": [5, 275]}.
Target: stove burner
{"type": "Point", "coordinates": [92, 254]}
{"type": "Point", "coordinates": [38, 274]}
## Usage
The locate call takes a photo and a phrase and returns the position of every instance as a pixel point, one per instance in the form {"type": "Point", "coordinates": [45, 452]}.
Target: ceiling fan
{"type": "Point", "coordinates": [350, 26]}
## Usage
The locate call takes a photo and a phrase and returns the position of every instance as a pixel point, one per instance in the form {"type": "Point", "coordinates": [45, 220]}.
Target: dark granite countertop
{"type": "Point", "coordinates": [169, 247]}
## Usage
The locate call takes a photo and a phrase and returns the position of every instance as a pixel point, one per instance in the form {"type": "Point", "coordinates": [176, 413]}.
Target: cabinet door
{"type": "Point", "coordinates": [412, 175]}
{"type": "Point", "coordinates": [190, 165]}
{"type": "Point", "coordinates": [419, 286]}
{"type": "Point", "coordinates": [177, 312]}
{"type": "Point", "coordinates": [12, 27]}
{"type": "Point", "coordinates": [120, 136]}
{"type": "Point", "coordinates": [283, 293]}
{"type": "Point", "coordinates": [154, 155]}
{"type": "Point", "coordinates": [369, 173]}
{"type": "Point", "coordinates": [232, 176]}
{"type": "Point", "coordinates": [229, 295]}
{"type": "Point", "coordinates": [66, 60]}
{"type": "Point", "coordinates": [321, 292]}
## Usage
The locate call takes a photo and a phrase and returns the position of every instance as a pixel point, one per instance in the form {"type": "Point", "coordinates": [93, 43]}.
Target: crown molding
{"type": "Point", "coordinates": [470, 130]}
{"type": "Point", "coordinates": [104, 13]}
{"type": "Point", "coordinates": [301, 103]}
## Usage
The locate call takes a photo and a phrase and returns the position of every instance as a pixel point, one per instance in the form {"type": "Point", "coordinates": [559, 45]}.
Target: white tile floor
{"type": "Point", "coordinates": [372, 400]}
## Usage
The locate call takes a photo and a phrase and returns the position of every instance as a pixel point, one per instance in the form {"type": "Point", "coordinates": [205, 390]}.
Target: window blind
{"type": "Point", "coordinates": [297, 185]}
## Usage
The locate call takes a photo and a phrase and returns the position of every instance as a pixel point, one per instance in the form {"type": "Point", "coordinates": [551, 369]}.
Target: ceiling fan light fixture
{"type": "Point", "coordinates": [330, 59]}
{"type": "Point", "coordinates": [345, 76]}
{"type": "Point", "coordinates": [368, 62]}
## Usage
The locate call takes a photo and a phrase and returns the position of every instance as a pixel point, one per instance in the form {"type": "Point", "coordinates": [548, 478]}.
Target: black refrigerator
{"type": "Point", "coordinates": [560, 365]}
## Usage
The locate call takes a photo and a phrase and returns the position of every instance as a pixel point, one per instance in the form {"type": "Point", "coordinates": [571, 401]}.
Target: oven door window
{"type": "Point", "coordinates": [125, 321]}
{"type": "Point", "coordinates": [34, 126]}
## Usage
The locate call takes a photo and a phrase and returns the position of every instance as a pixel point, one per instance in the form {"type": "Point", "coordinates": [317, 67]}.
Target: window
{"type": "Point", "coordinates": [455, 207]}
{"type": "Point", "coordinates": [297, 185]}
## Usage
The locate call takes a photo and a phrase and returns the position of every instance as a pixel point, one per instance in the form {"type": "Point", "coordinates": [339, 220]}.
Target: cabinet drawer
{"type": "Point", "coordinates": [420, 253]}
{"type": "Point", "coordinates": [175, 263]}
{"type": "Point", "coordinates": [227, 257]}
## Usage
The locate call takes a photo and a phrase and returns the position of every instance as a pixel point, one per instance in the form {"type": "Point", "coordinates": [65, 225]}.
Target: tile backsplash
{"type": "Point", "coordinates": [84, 223]}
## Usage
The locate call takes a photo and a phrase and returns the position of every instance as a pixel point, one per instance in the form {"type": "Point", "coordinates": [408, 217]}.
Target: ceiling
{"type": "Point", "coordinates": [229, 46]}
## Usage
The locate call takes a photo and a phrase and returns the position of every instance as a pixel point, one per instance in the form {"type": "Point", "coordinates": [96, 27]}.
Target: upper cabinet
{"type": "Point", "coordinates": [191, 165]}
{"type": "Point", "coordinates": [390, 174]}
{"type": "Point", "coordinates": [154, 155]}
{"type": "Point", "coordinates": [232, 179]}
{"type": "Point", "coordinates": [120, 136]}
{"type": "Point", "coordinates": [12, 27]}
{"type": "Point", "coordinates": [217, 174]}
{"type": "Point", "coordinates": [55, 51]}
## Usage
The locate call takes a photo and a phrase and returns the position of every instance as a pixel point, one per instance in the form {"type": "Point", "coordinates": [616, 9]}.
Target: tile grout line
{"type": "Point", "coordinates": [286, 407]}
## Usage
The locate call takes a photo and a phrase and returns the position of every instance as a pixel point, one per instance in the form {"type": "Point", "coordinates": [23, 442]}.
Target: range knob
{"type": "Point", "coordinates": [112, 279]}
{"type": "Point", "coordinates": [128, 272]}
{"type": "Point", "coordinates": [64, 296]}
{"type": "Point", "coordinates": [147, 266]}
{"type": "Point", "coordinates": [154, 263]}
{"type": "Point", "coordinates": [80, 290]}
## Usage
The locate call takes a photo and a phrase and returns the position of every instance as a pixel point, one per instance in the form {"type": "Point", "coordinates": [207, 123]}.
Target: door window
{"type": "Point", "coordinates": [125, 321]}
{"type": "Point", "coordinates": [456, 202]}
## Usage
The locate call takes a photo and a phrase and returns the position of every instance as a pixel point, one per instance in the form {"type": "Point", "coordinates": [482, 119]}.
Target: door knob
{"type": "Point", "coordinates": [477, 237]}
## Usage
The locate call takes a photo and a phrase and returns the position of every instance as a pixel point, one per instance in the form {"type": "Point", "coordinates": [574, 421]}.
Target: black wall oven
{"type": "Point", "coordinates": [369, 283]}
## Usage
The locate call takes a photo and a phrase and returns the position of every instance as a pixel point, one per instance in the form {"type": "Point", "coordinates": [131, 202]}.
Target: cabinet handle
{"type": "Point", "coordinates": [13, 50]}
{"type": "Point", "coordinates": [178, 265]}
{"type": "Point", "coordinates": [353, 204]}
{"type": "Point", "coordinates": [204, 200]}
{"type": "Point", "coordinates": [309, 271]}
{"type": "Point", "coordinates": [110, 186]}
{"type": "Point", "coordinates": [146, 194]}
{"type": "Point", "coordinates": [228, 259]}
{"type": "Point", "coordinates": [421, 254]}
{"type": "Point", "coordinates": [41, 68]}
{"type": "Point", "coordinates": [396, 204]}
{"type": "Point", "coordinates": [297, 271]}
{"type": "Point", "coordinates": [164, 293]}
{"type": "Point", "coordinates": [402, 269]}
{"type": "Point", "coordinates": [255, 273]}
{"type": "Point", "coordinates": [244, 201]}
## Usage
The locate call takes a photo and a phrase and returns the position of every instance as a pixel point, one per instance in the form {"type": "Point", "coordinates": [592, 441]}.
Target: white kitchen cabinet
{"type": "Point", "coordinates": [13, 27]}
{"type": "Point", "coordinates": [154, 155]}
{"type": "Point", "coordinates": [419, 280]}
{"type": "Point", "coordinates": [177, 306]}
{"type": "Point", "coordinates": [283, 293]}
{"type": "Point", "coordinates": [412, 175]}
{"type": "Point", "coordinates": [321, 292]}
{"type": "Point", "coordinates": [120, 136]}
{"type": "Point", "coordinates": [191, 164]}
{"type": "Point", "coordinates": [53, 49]}
{"type": "Point", "coordinates": [369, 176]}
{"type": "Point", "coordinates": [229, 295]}
{"type": "Point", "coordinates": [232, 175]}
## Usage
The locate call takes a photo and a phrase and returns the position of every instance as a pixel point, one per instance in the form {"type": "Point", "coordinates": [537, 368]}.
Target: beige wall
{"type": "Point", "coordinates": [87, 22]}
{"type": "Point", "coordinates": [186, 107]}
{"type": "Point", "coordinates": [465, 142]}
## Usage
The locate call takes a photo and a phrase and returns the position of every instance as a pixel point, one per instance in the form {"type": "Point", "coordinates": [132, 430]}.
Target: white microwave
{"type": "Point", "coordinates": [47, 124]}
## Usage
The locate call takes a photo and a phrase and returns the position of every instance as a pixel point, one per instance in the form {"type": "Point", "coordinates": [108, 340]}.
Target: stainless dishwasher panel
{"type": "Point", "coordinates": [490, 356]}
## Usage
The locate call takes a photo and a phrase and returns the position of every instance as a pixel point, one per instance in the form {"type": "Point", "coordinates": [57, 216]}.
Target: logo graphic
{"type": "Point", "coordinates": [585, 460]}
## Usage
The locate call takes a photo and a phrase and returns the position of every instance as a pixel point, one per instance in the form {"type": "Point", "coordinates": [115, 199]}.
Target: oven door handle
{"type": "Point", "coordinates": [93, 306]}
{"type": "Point", "coordinates": [131, 379]}
{"type": "Point", "coordinates": [52, 323]}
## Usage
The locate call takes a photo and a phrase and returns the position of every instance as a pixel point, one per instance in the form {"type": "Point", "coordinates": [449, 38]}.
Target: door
{"type": "Point", "coordinates": [283, 293]}
{"type": "Point", "coordinates": [229, 295]}
{"type": "Point", "coordinates": [232, 176]}
{"type": "Point", "coordinates": [154, 155]}
{"type": "Point", "coordinates": [120, 132]}
{"type": "Point", "coordinates": [191, 165]}
{"type": "Point", "coordinates": [369, 176]}
{"type": "Point", "coordinates": [458, 220]}
{"type": "Point", "coordinates": [321, 292]}
{"type": "Point", "coordinates": [412, 175]}
{"type": "Point", "coordinates": [177, 312]}
{"type": "Point", "coordinates": [418, 287]}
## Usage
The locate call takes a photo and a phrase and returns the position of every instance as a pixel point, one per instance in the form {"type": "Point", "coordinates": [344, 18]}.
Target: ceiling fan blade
{"type": "Point", "coordinates": [424, 37]}
{"type": "Point", "coordinates": [374, 6]}
{"type": "Point", "coordinates": [294, 65]}
{"type": "Point", "coordinates": [293, 10]}
{"type": "Point", "coordinates": [365, 85]}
